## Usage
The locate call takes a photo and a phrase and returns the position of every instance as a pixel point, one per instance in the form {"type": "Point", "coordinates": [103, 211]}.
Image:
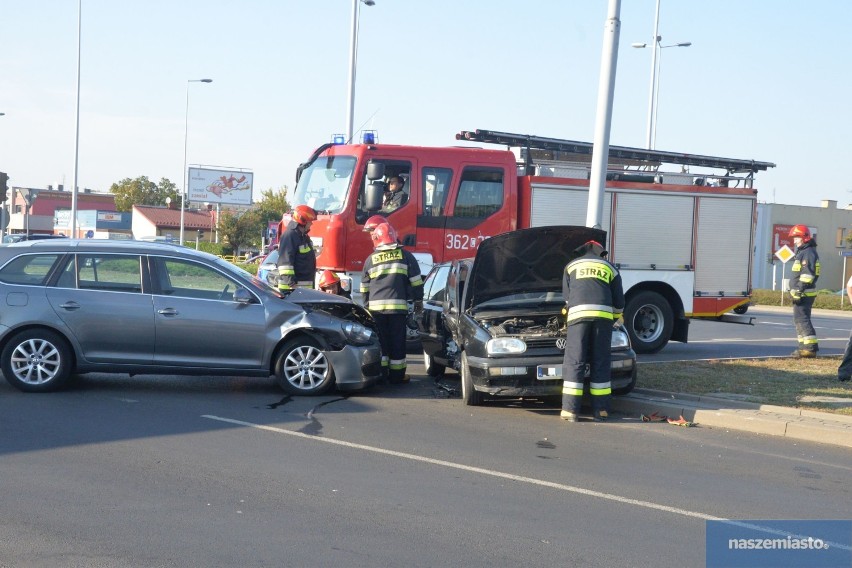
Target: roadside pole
{"type": "Point", "coordinates": [845, 254]}
{"type": "Point", "coordinates": [784, 254]}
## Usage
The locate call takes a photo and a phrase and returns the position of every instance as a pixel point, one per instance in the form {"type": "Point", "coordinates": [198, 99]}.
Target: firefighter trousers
{"type": "Point", "coordinates": [587, 343]}
{"type": "Point", "coordinates": [806, 334]}
{"type": "Point", "coordinates": [392, 334]}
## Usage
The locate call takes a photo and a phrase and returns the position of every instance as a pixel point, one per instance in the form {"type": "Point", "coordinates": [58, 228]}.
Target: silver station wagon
{"type": "Point", "coordinates": [75, 306]}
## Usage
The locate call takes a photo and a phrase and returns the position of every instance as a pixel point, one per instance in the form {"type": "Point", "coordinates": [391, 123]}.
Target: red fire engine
{"type": "Point", "coordinates": [682, 240]}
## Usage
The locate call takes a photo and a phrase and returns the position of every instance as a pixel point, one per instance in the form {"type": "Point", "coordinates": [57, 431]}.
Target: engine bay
{"type": "Point", "coordinates": [528, 326]}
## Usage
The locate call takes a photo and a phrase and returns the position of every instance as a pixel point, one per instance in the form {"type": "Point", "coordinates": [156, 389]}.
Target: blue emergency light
{"type": "Point", "coordinates": [338, 138]}
{"type": "Point", "coordinates": [369, 137]}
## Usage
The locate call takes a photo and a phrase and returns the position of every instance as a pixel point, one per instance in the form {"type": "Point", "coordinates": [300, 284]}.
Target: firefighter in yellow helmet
{"type": "Point", "coordinates": [594, 299]}
{"type": "Point", "coordinates": [297, 261]}
{"type": "Point", "coordinates": [390, 279]}
{"type": "Point", "coordinates": [803, 290]}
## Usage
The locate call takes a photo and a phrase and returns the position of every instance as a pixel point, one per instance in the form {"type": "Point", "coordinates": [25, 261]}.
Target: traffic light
{"type": "Point", "coordinates": [4, 185]}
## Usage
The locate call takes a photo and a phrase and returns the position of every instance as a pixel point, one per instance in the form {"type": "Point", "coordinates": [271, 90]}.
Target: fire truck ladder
{"type": "Point", "coordinates": [651, 158]}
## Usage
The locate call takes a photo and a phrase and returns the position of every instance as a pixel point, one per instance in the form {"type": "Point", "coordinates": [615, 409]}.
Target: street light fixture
{"type": "Point", "coordinates": [654, 98]}
{"type": "Point", "coordinates": [185, 139]}
{"type": "Point", "coordinates": [353, 55]}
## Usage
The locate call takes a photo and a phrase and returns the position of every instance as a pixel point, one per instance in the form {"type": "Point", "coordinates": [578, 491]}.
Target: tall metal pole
{"type": "Point", "coordinates": [185, 143]}
{"type": "Point", "coordinates": [353, 47]}
{"type": "Point", "coordinates": [76, 128]}
{"type": "Point", "coordinates": [652, 95]}
{"type": "Point", "coordinates": [603, 120]}
{"type": "Point", "coordinates": [353, 56]}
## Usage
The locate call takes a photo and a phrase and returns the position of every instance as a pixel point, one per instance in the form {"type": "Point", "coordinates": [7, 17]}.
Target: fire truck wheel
{"type": "Point", "coordinates": [470, 396]}
{"type": "Point", "coordinates": [649, 321]}
{"type": "Point", "coordinates": [741, 309]}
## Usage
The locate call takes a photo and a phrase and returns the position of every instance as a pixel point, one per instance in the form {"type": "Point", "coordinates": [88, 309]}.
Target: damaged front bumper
{"type": "Point", "coordinates": [519, 376]}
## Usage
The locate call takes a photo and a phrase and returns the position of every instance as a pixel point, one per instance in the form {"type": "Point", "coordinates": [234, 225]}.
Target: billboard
{"type": "Point", "coordinates": [219, 186]}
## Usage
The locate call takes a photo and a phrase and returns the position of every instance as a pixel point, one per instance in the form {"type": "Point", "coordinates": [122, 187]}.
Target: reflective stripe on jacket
{"type": "Point", "coordinates": [592, 289]}
{"type": "Point", "coordinates": [805, 269]}
{"type": "Point", "coordinates": [391, 277]}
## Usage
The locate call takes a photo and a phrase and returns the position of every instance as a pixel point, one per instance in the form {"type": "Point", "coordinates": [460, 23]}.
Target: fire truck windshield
{"type": "Point", "coordinates": [323, 185]}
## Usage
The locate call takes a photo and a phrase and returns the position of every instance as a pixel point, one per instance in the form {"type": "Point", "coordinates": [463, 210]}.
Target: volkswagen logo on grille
{"type": "Point", "coordinates": [560, 343]}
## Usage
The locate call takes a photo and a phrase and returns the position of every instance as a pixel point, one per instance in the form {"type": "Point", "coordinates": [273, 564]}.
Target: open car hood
{"type": "Point", "coordinates": [528, 260]}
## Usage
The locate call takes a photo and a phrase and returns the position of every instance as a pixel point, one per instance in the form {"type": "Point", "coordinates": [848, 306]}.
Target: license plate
{"type": "Point", "coordinates": [547, 373]}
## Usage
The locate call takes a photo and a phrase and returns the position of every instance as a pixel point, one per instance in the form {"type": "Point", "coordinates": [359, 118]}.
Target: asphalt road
{"type": "Point", "coordinates": [773, 335]}
{"type": "Point", "coordinates": [199, 471]}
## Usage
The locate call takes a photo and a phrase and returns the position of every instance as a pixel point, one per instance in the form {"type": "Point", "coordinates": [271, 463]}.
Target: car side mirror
{"type": "Point", "coordinates": [242, 296]}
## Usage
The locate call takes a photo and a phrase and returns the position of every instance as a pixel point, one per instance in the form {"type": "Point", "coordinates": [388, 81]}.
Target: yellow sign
{"type": "Point", "coordinates": [784, 254]}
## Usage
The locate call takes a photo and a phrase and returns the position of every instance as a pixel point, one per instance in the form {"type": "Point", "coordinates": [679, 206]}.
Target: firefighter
{"type": "Point", "coordinates": [395, 196]}
{"type": "Point", "coordinates": [594, 300]}
{"type": "Point", "coordinates": [329, 282]}
{"type": "Point", "coordinates": [803, 290]}
{"type": "Point", "coordinates": [297, 261]}
{"type": "Point", "coordinates": [373, 222]}
{"type": "Point", "coordinates": [391, 278]}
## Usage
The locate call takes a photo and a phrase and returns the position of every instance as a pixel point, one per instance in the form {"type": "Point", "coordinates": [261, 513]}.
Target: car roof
{"type": "Point", "coordinates": [98, 245]}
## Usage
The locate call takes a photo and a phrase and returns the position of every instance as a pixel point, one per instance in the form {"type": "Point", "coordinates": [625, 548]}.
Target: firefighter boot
{"type": "Point", "coordinates": [568, 416]}
{"type": "Point", "coordinates": [601, 415]}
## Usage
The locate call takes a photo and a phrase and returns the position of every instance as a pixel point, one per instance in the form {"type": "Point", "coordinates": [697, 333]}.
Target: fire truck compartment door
{"type": "Point", "coordinates": [724, 245]}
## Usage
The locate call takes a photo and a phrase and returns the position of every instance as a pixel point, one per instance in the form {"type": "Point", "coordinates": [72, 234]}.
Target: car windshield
{"type": "Point", "coordinates": [271, 258]}
{"type": "Point", "coordinates": [323, 185]}
{"type": "Point", "coordinates": [527, 299]}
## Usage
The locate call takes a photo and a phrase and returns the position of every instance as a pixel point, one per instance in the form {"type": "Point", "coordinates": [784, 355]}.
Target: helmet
{"type": "Point", "coordinates": [303, 214]}
{"type": "Point", "coordinates": [383, 234]}
{"type": "Point", "coordinates": [327, 278]}
{"type": "Point", "coordinates": [800, 231]}
{"type": "Point", "coordinates": [593, 246]}
{"type": "Point", "coordinates": [374, 222]}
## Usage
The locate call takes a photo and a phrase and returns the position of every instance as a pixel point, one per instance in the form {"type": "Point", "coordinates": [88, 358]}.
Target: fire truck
{"type": "Point", "coordinates": [682, 240]}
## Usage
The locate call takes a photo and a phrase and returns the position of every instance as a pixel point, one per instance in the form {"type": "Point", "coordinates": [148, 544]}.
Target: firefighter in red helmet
{"type": "Point", "coordinates": [803, 290]}
{"type": "Point", "coordinates": [373, 222]}
{"type": "Point", "coordinates": [391, 278]}
{"type": "Point", "coordinates": [594, 300]}
{"type": "Point", "coordinates": [330, 282]}
{"type": "Point", "coordinates": [297, 261]}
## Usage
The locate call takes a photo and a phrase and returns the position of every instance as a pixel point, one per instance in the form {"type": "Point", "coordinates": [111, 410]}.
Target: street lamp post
{"type": "Point", "coordinates": [353, 56]}
{"type": "Point", "coordinates": [185, 139]}
{"type": "Point", "coordinates": [654, 98]}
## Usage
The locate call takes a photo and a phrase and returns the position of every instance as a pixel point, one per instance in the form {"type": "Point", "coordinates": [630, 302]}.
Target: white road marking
{"type": "Point", "coordinates": [791, 340]}
{"type": "Point", "coordinates": [510, 476]}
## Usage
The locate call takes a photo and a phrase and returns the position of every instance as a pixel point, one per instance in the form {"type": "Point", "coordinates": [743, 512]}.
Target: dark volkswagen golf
{"type": "Point", "coordinates": [497, 318]}
{"type": "Point", "coordinates": [76, 306]}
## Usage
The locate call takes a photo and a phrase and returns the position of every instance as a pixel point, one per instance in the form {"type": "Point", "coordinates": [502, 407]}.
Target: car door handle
{"type": "Point", "coordinates": [70, 306]}
{"type": "Point", "coordinates": [168, 312]}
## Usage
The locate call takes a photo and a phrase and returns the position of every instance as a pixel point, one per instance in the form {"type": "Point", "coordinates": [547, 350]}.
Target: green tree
{"type": "Point", "coordinates": [142, 191]}
{"type": "Point", "coordinates": [245, 230]}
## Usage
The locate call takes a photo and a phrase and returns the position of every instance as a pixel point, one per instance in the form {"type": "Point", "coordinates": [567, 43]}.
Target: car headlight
{"type": "Point", "coordinates": [356, 333]}
{"type": "Point", "coordinates": [503, 345]}
{"type": "Point", "coordinates": [619, 339]}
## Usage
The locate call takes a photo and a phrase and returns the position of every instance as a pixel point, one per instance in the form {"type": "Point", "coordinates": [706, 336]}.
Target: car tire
{"type": "Point", "coordinates": [433, 369]}
{"type": "Point", "coordinates": [302, 368]}
{"type": "Point", "coordinates": [626, 389]}
{"type": "Point", "coordinates": [37, 360]}
{"type": "Point", "coordinates": [649, 320]}
{"type": "Point", "coordinates": [741, 309]}
{"type": "Point", "coordinates": [470, 396]}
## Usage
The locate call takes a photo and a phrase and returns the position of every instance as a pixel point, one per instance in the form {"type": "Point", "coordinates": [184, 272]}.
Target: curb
{"type": "Point", "coordinates": [794, 423]}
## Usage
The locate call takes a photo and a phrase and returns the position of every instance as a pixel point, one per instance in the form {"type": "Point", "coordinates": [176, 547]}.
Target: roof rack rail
{"type": "Point", "coordinates": [649, 157]}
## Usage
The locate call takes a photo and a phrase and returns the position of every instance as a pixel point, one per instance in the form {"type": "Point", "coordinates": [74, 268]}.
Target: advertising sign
{"type": "Point", "coordinates": [219, 186]}
{"type": "Point", "coordinates": [780, 238]}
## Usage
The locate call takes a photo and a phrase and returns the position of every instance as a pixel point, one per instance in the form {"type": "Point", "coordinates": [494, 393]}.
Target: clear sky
{"type": "Point", "coordinates": [764, 79]}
